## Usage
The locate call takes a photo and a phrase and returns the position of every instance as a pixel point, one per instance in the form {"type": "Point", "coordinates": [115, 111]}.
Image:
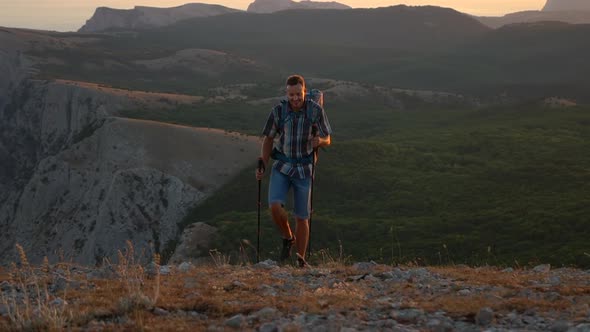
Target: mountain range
{"type": "Point", "coordinates": [568, 16]}
{"type": "Point", "coordinates": [566, 5]}
{"type": "Point", "coordinates": [142, 17]}
{"type": "Point", "coordinates": [105, 18]}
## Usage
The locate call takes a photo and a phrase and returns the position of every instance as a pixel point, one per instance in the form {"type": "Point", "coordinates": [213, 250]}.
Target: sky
{"type": "Point", "coordinates": [70, 15]}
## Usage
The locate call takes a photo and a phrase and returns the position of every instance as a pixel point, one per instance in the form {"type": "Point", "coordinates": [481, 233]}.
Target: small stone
{"type": "Point", "coordinates": [267, 290]}
{"type": "Point", "coordinates": [348, 329]}
{"type": "Point", "coordinates": [5, 286]}
{"type": "Point", "coordinates": [165, 270]}
{"type": "Point", "coordinates": [484, 317]}
{"type": "Point", "coordinates": [215, 328]}
{"type": "Point", "coordinates": [560, 326]}
{"type": "Point", "coordinates": [59, 284]}
{"type": "Point", "coordinates": [554, 280]}
{"type": "Point", "coordinates": [268, 264]}
{"type": "Point", "coordinates": [464, 292]}
{"type": "Point", "coordinates": [238, 284]}
{"type": "Point", "coordinates": [356, 278]}
{"type": "Point", "coordinates": [185, 267]}
{"type": "Point", "coordinates": [235, 321]}
{"type": "Point", "coordinates": [198, 315]}
{"type": "Point", "coordinates": [265, 313]}
{"type": "Point", "coordinates": [268, 327]}
{"type": "Point", "coordinates": [543, 268]}
{"type": "Point", "coordinates": [3, 309]}
{"type": "Point", "coordinates": [529, 320]}
{"type": "Point", "coordinates": [420, 272]}
{"type": "Point", "coordinates": [436, 325]}
{"type": "Point", "coordinates": [584, 327]}
{"type": "Point", "coordinates": [508, 270]}
{"type": "Point", "coordinates": [58, 302]}
{"type": "Point", "coordinates": [160, 312]}
{"type": "Point", "coordinates": [364, 266]}
{"type": "Point", "coordinates": [552, 296]}
{"type": "Point", "coordinates": [407, 315]}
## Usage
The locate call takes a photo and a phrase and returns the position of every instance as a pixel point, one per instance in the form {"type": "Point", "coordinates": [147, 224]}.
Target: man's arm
{"type": "Point", "coordinates": [267, 145]}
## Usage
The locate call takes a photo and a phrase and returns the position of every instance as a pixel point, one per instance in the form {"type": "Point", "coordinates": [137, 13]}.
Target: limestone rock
{"type": "Point", "coordinates": [194, 243]}
{"type": "Point", "coordinates": [77, 182]}
{"type": "Point", "coordinates": [271, 6]}
{"type": "Point", "coordinates": [105, 18]}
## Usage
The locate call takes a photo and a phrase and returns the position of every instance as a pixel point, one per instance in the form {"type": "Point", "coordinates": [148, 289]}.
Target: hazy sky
{"type": "Point", "coordinates": [69, 15]}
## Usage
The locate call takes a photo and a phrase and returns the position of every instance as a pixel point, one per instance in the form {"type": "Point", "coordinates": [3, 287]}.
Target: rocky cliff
{"type": "Point", "coordinates": [271, 6]}
{"type": "Point", "coordinates": [105, 18]}
{"type": "Point", "coordinates": [566, 5]}
{"type": "Point", "coordinates": [77, 181]}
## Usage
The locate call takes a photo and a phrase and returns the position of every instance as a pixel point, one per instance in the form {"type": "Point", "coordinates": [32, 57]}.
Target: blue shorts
{"type": "Point", "coordinates": [280, 185]}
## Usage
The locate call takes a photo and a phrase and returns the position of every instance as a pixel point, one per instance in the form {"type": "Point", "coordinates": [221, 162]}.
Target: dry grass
{"type": "Point", "coordinates": [140, 298]}
{"type": "Point", "coordinates": [148, 99]}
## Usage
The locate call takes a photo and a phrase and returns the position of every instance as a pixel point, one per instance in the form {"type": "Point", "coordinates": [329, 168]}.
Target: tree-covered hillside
{"type": "Point", "coordinates": [505, 185]}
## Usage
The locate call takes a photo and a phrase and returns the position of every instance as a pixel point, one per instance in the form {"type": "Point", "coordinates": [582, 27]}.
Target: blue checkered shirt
{"type": "Point", "coordinates": [294, 139]}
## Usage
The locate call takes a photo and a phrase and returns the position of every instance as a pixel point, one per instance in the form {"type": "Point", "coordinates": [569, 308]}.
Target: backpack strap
{"type": "Point", "coordinates": [309, 111]}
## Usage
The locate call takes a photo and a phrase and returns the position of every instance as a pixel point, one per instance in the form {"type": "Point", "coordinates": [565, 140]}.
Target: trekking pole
{"type": "Point", "coordinates": [315, 154]}
{"type": "Point", "coordinates": [260, 168]}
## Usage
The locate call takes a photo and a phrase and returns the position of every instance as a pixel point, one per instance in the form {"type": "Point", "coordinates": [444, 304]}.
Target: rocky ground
{"type": "Point", "coordinates": [268, 297]}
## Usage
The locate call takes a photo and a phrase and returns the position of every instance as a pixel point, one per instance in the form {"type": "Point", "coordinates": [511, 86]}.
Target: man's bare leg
{"type": "Point", "coordinates": [281, 219]}
{"type": "Point", "coordinates": [302, 235]}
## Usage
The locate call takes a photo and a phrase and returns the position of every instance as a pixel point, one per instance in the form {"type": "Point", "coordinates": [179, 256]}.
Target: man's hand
{"type": "Point", "coordinates": [260, 170]}
{"type": "Point", "coordinates": [259, 174]}
{"type": "Point", "coordinates": [317, 141]}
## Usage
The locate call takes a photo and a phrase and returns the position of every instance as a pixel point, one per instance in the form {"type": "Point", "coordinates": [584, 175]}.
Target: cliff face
{"type": "Point", "coordinates": [271, 6]}
{"type": "Point", "coordinates": [78, 181]}
{"type": "Point", "coordinates": [566, 5]}
{"type": "Point", "coordinates": [105, 18]}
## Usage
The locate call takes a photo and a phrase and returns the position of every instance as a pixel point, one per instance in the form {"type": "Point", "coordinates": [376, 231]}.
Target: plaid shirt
{"type": "Point", "coordinates": [296, 135]}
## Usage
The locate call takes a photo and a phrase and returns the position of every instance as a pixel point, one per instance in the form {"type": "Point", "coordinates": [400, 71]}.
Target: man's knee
{"type": "Point", "coordinates": [278, 211]}
{"type": "Point", "coordinates": [301, 221]}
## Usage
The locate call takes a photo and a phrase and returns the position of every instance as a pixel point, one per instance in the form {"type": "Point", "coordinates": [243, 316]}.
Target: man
{"type": "Point", "coordinates": [295, 123]}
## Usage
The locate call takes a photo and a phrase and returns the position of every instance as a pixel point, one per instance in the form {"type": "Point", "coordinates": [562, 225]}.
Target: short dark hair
{"type": "Point", "coordinates": [296, 79]}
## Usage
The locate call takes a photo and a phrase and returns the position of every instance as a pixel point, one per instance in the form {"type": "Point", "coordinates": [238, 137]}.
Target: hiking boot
{"type": "Point", "coordinates": [287, 245]}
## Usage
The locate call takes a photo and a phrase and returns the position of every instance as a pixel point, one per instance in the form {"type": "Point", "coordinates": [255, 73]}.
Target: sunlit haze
{"type": "Point", "coordinates": [70, 15]}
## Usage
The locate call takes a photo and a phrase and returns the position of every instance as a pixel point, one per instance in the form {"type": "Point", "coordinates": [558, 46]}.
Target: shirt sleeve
{"type": "Point", "coordinates": [272, 125]}
{"type": "Point", "coordinates": [323, 125]}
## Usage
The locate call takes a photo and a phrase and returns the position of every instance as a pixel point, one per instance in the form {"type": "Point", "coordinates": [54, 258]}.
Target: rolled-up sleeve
{"type": "Point", "coordinates": [324, 124]}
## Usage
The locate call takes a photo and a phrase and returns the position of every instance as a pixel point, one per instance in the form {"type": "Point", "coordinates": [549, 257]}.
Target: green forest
{"type": "Point", "coordinates": [502, 185]}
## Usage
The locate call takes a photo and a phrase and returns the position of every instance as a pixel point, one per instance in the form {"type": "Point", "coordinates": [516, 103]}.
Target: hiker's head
{"type": "Point", "coordinates": [296, 91]}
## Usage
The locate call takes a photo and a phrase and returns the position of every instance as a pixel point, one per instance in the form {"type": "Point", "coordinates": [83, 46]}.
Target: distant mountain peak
{"type": "Point", "coordinates": [105, 18]}
{"type": "Point", "coordinates": [271, 6]}
{"type": "Point", "coordinates": [566, 5]}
